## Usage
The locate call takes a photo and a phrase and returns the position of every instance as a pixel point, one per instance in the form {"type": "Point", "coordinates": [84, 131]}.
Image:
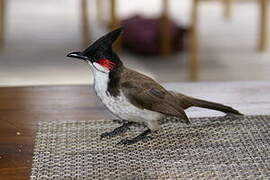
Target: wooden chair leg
{"type": "Point", "coordinates": [85, 23]}
{"type": "Point", "coordinates": [100, 11]}
{"type": "Point", "coordinates": [227, 12]}
{"type": "Point", "coordinates": [114, 22]}
{"type": "Point", "coordinates": [165, 38]}
{"type": "Point", "coordinates": [263, 39]}
{"type": "Point", "coordinates": [194, 42]}
{"type": "Point", "coordinates": [2, 23]}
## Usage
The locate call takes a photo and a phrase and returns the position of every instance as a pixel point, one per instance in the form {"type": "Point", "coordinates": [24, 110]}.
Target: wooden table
{"type": "Point", "coordinates": [21, 108]}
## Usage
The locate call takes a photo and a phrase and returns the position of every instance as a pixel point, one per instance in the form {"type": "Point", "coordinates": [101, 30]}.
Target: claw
{"type": "Point", "coordinates": [142, 137]}
{"type": "Point", "coordinates": [119, 121]}
{"type": "Point", "coordinates": [124, 142]}
{"type": "Point", "coordinates": [147, 138]}
{"type": "Point", "coordinates": [104, 135]}
{"type": "Point", "coordinates": [117, 131]}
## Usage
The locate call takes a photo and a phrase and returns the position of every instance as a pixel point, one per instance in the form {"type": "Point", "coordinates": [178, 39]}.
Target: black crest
{"type": "Point", "coordinates": [101, 48]}
{"type": "Point", "coordinates": [104, 43]}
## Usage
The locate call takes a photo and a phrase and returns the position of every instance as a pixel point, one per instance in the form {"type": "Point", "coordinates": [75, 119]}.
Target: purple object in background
{"type": "Point", "coordinates": [141, 35]}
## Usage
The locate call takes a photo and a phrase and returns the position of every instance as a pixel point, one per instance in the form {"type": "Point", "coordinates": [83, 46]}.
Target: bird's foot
{"type": "Point", "coordinates": [119, 121]}
{"type": "Point", "coordinates": [117, 131]}
{"type": "Point", "coordinates": [141, 137]}
{"type": "Point", "coordinates": [113, 133]}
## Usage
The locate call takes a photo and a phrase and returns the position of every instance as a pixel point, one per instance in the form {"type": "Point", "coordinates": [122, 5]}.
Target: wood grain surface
{"type": "Point", "coordinates": [21, 108]}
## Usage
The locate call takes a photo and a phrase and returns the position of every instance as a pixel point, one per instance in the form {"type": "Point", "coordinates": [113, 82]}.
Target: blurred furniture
{"type": "Point", "coordinates": [142, 35]}
{"type": "Point", "coordinates": [85, 31]}
{"type": "Point", "coordinates": [84, 16]}
{"type": "Point", "coordinates": [2, 19]}
{"type": "Point", "coordinates": [263, 39]}
{"type": "Point", "coordinates": [164, 29]}
{"type": "Point", "coordinates": [21, 109]}
{"type": "Point", "coordinates": [165, 41]}
{"type": "Point", "coordinates": [227, 8]}
{"type": "Point", "coordinates": [263, 30]}
{"type": "Point", "coordinates": [263, 26]}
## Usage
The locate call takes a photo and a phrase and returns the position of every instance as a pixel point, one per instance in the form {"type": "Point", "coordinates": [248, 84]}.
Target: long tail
{"type": "Point", "coordinates": [214, 106]}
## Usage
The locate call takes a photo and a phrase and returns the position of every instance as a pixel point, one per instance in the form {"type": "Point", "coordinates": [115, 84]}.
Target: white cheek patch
{"type": "Point", "coordinates": [100, 68]}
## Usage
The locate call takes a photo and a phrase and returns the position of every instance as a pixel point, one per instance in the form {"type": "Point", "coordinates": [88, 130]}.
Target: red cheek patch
{"type": "Point", "coordinates": [106, 63]}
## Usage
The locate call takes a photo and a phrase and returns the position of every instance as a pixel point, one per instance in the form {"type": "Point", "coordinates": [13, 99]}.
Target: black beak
{"type": "Point", "coordinates": [77, 55]}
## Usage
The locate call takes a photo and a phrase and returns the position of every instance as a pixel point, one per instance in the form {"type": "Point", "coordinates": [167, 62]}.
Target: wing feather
{"type": "Point", "coordinates": [145, 93]}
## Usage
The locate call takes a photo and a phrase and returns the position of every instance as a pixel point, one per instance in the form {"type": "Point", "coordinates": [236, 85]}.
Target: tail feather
{"type": "Point", "coordinates": [215, 106]}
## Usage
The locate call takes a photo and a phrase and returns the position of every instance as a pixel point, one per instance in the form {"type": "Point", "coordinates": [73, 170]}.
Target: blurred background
{"type": "Point", "coordinates": [169, 40]}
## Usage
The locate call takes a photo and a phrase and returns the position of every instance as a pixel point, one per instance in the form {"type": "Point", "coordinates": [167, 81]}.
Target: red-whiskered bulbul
{"type": "Point", "coordinates": [132, 96]}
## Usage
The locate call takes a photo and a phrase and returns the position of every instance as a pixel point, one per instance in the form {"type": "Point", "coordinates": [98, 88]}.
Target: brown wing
{"type": "Point", "coordinates": [145, 93]}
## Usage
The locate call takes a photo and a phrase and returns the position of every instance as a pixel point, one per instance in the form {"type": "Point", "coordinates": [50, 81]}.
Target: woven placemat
{"type": "Point", "coordinates": [208, 148]}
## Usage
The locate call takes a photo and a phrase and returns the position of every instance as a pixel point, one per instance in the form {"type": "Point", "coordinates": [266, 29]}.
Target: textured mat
{"type": "Point", "coordinates": [209, 148]}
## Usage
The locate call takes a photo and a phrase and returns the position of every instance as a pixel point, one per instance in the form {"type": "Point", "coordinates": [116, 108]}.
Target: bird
{"type": "Point", "coordinates": [132, 96]}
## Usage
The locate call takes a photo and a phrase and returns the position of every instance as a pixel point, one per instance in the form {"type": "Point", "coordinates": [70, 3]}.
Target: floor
{"type": "Point", "coordinates": [40, 33]}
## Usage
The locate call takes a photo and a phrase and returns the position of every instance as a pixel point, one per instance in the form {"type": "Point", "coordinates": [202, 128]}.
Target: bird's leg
{"type": "Point", "coordinates": [117, 131]}
{"type": "Point", "coordinates": [138, 138]}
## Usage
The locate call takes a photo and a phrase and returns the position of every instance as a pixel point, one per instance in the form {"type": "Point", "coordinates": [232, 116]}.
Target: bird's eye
{"type": "Point", "coordinates": [106, 63]}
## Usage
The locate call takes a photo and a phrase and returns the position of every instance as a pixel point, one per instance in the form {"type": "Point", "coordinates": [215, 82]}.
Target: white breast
{"type": "Point", "coordinates": [120, 105]}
